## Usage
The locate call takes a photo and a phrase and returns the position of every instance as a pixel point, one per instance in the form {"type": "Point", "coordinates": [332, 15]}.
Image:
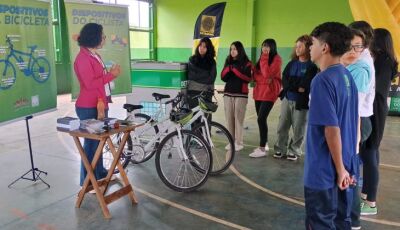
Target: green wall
{"type": "Point", "coordinates": [250, 21]}
{"type": "Point", "coordinates": [175, 21]}
{"type": "Point", "coordinates": [286, 20]}
{"type": "Point", "coordinates": [63, 64]}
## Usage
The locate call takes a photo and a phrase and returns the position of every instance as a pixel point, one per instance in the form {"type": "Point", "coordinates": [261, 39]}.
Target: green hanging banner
{"type": "Point", "coordinates": [27, 79]}
{"type": "Point", "coordinates": [114, 19]}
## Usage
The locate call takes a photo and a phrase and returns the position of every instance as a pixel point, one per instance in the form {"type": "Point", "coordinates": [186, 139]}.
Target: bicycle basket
{"type": "Point", "coordinates": [207, 106]}
{"type": "Point", "coordinates": [182, 116]}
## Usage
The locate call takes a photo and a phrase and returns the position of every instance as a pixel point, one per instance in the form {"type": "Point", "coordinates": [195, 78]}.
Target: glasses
{"type": "Point", "coordinates": [357, 48]}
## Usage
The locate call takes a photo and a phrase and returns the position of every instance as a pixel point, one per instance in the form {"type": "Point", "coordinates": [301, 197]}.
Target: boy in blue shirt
{"type": "Point", "coordinates": [331, 132]}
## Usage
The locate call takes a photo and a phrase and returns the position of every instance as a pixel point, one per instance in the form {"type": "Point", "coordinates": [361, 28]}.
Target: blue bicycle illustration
{"type": "Point", "coordinates": [37, 67]}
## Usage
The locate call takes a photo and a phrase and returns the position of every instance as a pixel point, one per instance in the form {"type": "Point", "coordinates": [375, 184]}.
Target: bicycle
{"type": "Point", "coordinates": [140, 148]}
{"type": "Point", "coordinates": [37, 67]}
{"type": "Point", "coordinates": [217, 136]}
{"type": "Point", "coordinates": [183, 158]}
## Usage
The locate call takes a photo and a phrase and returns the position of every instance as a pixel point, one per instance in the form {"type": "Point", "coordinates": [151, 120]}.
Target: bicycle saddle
{"type": "Point", "coordinates": [130, 107]}
{"type": "Point", "coordinates": [158, 96]}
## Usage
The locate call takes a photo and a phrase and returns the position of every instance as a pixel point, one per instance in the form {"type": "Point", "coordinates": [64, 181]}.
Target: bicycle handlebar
{"type": "Point", "coordinates": [204, 94]}
{"type": "Point", "coordinates": [175, 101]}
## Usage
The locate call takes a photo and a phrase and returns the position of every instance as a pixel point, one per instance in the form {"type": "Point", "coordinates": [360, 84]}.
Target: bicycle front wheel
{"type": "Point", "coordinates": [221, 144]}
{"type": "Point", "coordinates": [183, 164]}
{"type": "Point", "coordinates": [40, 69]}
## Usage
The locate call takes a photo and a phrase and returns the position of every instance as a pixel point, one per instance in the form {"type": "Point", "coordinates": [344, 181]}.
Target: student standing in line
{"type": "Point", "coordinates": [296, 80]}
{"type": "Point", "coordinates": [267, 79]}
{"type": "Point", "coordinates": [386, 68]}
{"type": "Point", "coordinates": [361, 74]}
{"type": "Point", "coordinates": [93, 78]}
{"type": "Point", "coordinates": [237, 75]}
{"type": "Point", "coordinates": [202, 71]}
{"type": "Point", "coordinates": [331, 132]}
{"type": "Point", "coordinates": [367, 107]}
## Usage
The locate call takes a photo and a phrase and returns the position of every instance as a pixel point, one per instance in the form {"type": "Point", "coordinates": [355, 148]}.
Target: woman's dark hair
{"type": "Point", "coordinates": [360, 34]}
{"type": "Point", "coordinates": [91, 35]}
{"type": "Point", "coordinates": [366, 29]}
{"type": "Point", "coordinates": [210, 54]}
{"type": "Point", "coordinates": [336, 35]}
{"type": "Point", "coordinates": [242, 56]}
{"type": "Point", "coordinates": [307, 41]}
{"type": "Point", "coordinates": [383, 44]}
{"type": "Point", "coordinates": [272, 51]}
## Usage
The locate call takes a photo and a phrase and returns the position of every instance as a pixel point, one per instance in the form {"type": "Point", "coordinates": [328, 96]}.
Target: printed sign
{"type": "Point", "coordinates": [27, 79]}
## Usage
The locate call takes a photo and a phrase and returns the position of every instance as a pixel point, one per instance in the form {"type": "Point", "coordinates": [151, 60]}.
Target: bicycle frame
{"type": "Point", "coordinates": [151, 123]}
{"type": "Point", "coordinates": [165, 129]}
{"type": "Point", "coordinates": [19, 59]}
{"type": "Point", "coordinates": [13, 53]}
{"type": "Point", "coordinates": [200, 113]}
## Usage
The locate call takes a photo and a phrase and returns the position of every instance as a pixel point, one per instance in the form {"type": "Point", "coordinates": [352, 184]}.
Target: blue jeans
{"type": "Point", "coordinates": [90, 146]}
{"type": "Point", "coordinates": [328, 209]}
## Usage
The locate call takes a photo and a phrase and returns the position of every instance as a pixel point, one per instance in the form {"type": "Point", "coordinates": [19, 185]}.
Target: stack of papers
{"type": "Point", "coordinates": [110, 121]}
{"type": "Point", "coordinates": [92, 125]}
{"type": "Point", "coordinates": [68, 123]}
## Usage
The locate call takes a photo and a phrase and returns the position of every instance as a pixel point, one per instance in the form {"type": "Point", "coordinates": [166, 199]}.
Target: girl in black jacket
{"type": "Point", "coordinates": [237, 75]}
{"type": "Point", "coordinates": [385, 69]}
{"type": "Point", "coordinates": [201, 71]}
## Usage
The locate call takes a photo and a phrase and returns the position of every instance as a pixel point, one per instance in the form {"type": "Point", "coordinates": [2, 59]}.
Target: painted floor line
{"type": "Point", "coordinates": [272, 193]}
{"type": "Point", "coordinates": [388, 166]}
{"type": "Point", "coordinates": [192, 211]}
{"type": "Point", "coordinates": [288, 199]}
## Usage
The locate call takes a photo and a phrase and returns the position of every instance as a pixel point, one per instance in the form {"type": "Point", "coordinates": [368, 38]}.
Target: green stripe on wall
{"type": "Point", "coordinates": [183, 54]}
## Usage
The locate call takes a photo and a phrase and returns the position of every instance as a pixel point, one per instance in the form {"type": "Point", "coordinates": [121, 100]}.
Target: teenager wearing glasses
{"type": "Point", "coordinates": [361, 74]}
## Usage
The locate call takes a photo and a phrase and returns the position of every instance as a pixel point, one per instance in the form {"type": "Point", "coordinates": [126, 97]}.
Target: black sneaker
{"type": "Point", "coordinates": [278, 155]}
{"type": "Point", "coordinates": [291, 157]}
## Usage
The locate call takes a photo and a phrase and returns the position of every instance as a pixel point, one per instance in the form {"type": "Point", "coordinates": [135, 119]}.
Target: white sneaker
{"type": "Point", "coordinates": [266, 148]}
{"type": "Point", "coordinates": [238, 147]}
{"type": "Point", "coordinates": [258, 153]}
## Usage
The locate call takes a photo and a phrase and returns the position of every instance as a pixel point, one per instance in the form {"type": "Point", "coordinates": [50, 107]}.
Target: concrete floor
{"type": "Point", "coordinates": [256, 193]}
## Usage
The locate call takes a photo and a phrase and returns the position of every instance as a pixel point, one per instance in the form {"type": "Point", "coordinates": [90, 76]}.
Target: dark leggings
{"type": "Point", "coordinates": [370, 153]}
{"type": "Point", "coordinates": [263, 108]}
{"type": "Point", "coordinates": [370, 159]}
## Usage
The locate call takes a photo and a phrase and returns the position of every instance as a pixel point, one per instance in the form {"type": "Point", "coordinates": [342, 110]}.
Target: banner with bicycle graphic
{"type": "Point", "coordinates": [27, 79]}
{"type": "Point", "coordinates": [114, 20]}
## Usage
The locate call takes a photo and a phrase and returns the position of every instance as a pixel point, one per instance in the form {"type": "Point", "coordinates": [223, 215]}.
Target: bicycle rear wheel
{"type": "Point", "coordinates": [124, 158]}
{"type": "Point", "coordinates": [7, 74]}
{"type": "Point", "coordinates": [220, 138]}
{"type": "Point", "coordinates": [183, 172]}
{"type": "Point", "coordinates": [143, 135]}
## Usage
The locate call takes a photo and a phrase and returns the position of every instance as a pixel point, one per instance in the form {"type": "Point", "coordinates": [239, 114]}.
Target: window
{"type": "Point", "coordinates": [141, 31]}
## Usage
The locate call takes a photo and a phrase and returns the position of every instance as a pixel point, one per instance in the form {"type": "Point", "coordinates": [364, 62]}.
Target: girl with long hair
{"type": "Point", "coordinates": [267, 78]}
{"type": "Point", "coordinates": [237, 75]}
{"type": "Point", "coordinates": [385, 70]}
{"type": "Point", "coordinates": [202, 71]}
